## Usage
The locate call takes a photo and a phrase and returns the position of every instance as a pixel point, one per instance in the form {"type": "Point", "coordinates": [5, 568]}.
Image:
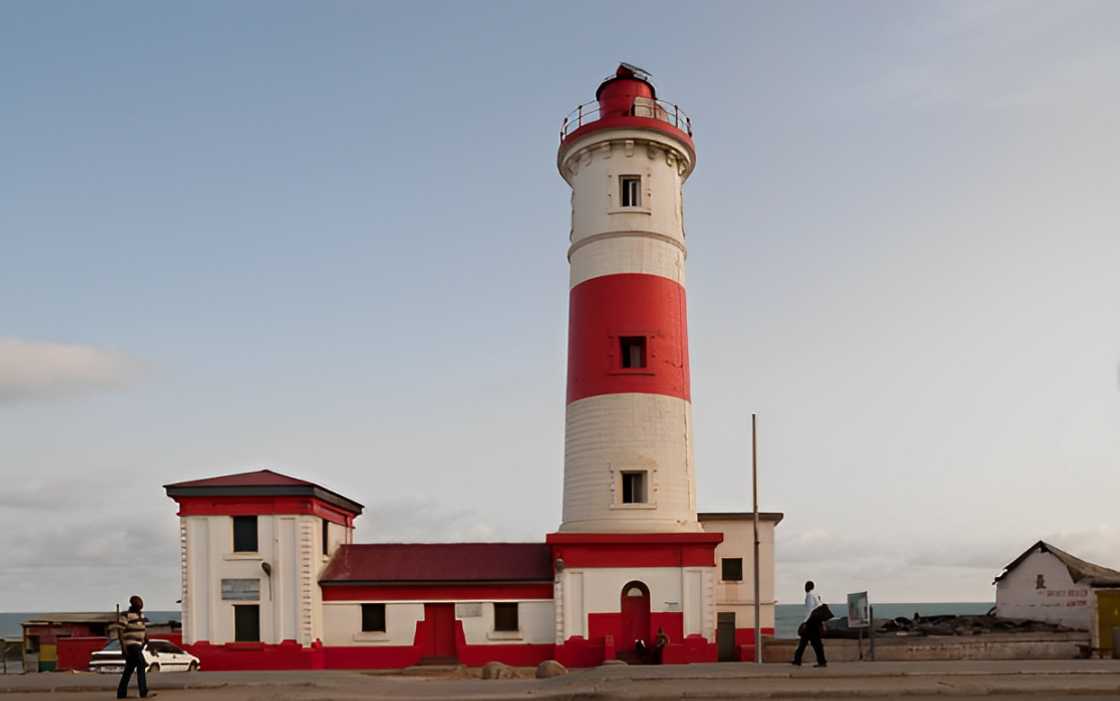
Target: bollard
{"type": "Point", "coordinates": [1116, 642]}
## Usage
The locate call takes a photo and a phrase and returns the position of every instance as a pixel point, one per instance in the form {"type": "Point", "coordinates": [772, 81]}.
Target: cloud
{"type": "Point", "coordinates": [923, 568]}
{"type": "Point", "coordinates": [411, 519]}
{"type": "Point", "coordinates": [1100, 545]}
{"type": "Point", "coordinates": [42, 369]}
{"type": "Point", "coordinates": [89, 564]}
{"type": "Point", "coordinates": [34, 492]}
{"type": "Point", "coordinates": [106, 543]}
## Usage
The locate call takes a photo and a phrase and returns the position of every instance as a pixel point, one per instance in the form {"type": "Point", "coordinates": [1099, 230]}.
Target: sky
{"type": "Point", "coordinates": [329, 239]}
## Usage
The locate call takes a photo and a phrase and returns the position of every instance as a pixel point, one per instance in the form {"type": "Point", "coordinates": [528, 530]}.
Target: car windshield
{"type": "Point", "coordinates": [114, 645]}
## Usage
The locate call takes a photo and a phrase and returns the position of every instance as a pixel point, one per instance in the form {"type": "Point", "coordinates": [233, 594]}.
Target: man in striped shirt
{"type": "Point", "coordinates": [133, 636]}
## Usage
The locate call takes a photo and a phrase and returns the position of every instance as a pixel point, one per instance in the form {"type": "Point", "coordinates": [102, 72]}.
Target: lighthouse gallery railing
{"type": "Point", "coordinates": [643, 107]}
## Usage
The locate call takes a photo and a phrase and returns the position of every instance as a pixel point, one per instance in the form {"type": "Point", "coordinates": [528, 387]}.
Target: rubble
{"type": "Point", "coordinates": [945, 625]}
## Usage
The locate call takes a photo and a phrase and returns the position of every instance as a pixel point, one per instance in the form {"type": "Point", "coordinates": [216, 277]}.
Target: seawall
{"type": "Point", "coordinates": [1025, 646]}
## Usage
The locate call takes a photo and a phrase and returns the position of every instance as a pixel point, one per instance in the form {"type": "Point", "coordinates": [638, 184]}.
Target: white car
{"type": "Point", "coordinates": [160, 656]}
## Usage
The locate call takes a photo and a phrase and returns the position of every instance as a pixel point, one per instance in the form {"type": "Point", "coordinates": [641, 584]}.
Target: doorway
{"type": "Point", "coordinates": [725, 636]}
{"type": "Point", "coordinates": [635, 616]}
{"type": "Point", "coordinates": [1108, 617]}
{"type": "Point", "coordinates": [440, 621]}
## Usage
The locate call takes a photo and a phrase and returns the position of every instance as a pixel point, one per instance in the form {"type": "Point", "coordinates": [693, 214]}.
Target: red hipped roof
{"type": "Point", "coordinates": [259, 483]}
{"type": "Point", "coordinates": [398, 563]}
{"type": "Point", "coordinates": [258, 478]}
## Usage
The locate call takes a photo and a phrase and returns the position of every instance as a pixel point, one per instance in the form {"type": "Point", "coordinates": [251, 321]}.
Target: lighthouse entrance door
{"type": "Point", "coordinates": [635, 616]}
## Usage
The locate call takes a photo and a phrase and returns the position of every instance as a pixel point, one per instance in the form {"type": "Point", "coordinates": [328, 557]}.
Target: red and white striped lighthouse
{"type": "Point", "coordinates": [628, 464]}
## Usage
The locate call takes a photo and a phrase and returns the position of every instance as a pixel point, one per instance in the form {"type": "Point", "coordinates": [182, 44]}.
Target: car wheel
{"type": "Point", "coordinates": [153, 668]}
{"type": "Point", "coordinates": [193, 667]}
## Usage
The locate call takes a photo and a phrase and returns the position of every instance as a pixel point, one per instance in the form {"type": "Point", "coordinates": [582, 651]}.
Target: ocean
{"type": "Point", "coordinates": [787, 616]}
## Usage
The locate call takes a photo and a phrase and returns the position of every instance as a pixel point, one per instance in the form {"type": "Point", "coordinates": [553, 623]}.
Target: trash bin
{"type": "Point", "coordinates": [1116, 642]}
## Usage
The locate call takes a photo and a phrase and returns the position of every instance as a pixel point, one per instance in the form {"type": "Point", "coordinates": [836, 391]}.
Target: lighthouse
{"type": "Point", "coordinates": [628, 427]}
{"type": "Point", "coordinates": [631, 555]}
{"type": "Point", "coordinates": [272, 577]}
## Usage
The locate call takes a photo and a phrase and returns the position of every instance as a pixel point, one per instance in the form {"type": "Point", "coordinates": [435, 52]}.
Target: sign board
{"type": "Point", "coordinates": [468, 610]}
{"type": "Point", "coordinates": [859, 614]}
{"type": "Point", "coordinates": [241, 589]}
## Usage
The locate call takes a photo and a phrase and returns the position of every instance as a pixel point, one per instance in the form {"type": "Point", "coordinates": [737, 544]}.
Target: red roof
{"type": "Point", "coordinates": [259, 478]}
{"type": "Point", "coordinates": [259, 483]}
{"type": "Point", "coordinates": [397, 563]}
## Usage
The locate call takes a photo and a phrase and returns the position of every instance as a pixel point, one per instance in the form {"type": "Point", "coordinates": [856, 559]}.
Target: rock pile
{"type": "Point", "coordinates": [944, 625]}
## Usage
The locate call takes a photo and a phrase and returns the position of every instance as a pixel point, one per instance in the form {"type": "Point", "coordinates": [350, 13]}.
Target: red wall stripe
{"type": "Point", "coordinates": [461, 592]}
{"type": "Point", "coordinates": [258, 506]}
{"type": "Point", "coordinates": [628, 122]}
{"type": "Point", "coordinates": [635, 550]}
{"type": "Point", "coordinates": [699, 555]}
{"type": "Point", "coordinates": [603, 309]}
{"type": "Point", "coordinates": [634, 538]}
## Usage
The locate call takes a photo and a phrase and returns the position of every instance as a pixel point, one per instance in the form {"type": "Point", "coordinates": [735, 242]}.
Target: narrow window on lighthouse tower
{"type": "Point", "coordinates": [634, 487]}
{"type": "Point", "coordinates": [631, 195]}
{"type": "Point", "coordinates": [632, 352]}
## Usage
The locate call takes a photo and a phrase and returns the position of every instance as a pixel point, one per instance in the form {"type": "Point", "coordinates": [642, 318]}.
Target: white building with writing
{"type": "Point", "coordinates": [1046, 583]}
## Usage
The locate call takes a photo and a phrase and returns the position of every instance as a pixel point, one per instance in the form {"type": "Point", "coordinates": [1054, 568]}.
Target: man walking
{"type": "Point", "coordinates": [133, 636]}
{"type": "Point", "coordinates": [816, 613]}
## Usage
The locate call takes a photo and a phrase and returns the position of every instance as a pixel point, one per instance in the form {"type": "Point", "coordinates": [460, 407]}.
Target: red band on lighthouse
{"type": "Point", "coordinates": [609, 311]}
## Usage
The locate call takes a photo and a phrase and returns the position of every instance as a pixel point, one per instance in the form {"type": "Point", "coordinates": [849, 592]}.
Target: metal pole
{"type": "Point", "coordinates": [871, 631]}
{"type": "Point", "coordinates": [754, 490]}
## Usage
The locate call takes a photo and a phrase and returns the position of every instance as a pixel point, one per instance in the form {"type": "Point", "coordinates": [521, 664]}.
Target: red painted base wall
{"type": "Point", "coordinates": [575, 652]}
{"type": "Point", "coordinates": [290, 655]}
{"type": "Point", "coordinates": [74, 653]}
{"type": "Point", "coordinates": [257, 656]}
{"type": "Point", "coordinates": [744, 642]}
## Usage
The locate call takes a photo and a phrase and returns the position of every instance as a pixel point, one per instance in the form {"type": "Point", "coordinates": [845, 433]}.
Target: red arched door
{"type": "Point", "coordinates": [635, 616]}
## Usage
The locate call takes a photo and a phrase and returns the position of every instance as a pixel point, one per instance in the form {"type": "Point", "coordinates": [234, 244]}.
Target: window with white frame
{"type": "Point", "coordinates": [630, 194]}
{"type": "Point", "coordinates": [634, 487]}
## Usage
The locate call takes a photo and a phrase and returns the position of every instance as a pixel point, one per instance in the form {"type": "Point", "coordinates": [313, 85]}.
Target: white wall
{"type": "Point", "coordinates": [593, 165]}
{"type": "Point", "coordinates": [594, 257]}
{"type": "Point", "coordinates": [1061, 601]}
{"type": "Point", "coordinates": [290, 600]}
{"type": "Point", "coordinates": [688, 590]}
{"type": "Point", "coordinates": [342, 621]}
{"type": "Point", "coordinates": [608, 433]}
{"type": "Point", "coordinates": [738, 597]}
{"type": "Point", "coordinates": [534, 618]}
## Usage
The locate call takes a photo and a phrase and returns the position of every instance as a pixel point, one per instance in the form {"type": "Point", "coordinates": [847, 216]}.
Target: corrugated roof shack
{"type": "Point", "coordinates": [43, 634]}
{"type": "Point", "coordinates": [1046, 583]}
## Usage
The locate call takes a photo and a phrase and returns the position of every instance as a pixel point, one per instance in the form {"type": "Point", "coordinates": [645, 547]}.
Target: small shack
{"type": "Point", "coordinates": [1046, 583]}
{"type": "Point", "coordinates": [57, 641]}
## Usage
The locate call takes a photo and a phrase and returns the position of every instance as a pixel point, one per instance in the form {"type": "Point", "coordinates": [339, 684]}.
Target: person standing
{"type": "Point", "coordinates": [659, 645]}
{"type": "Point", "coordinates": [810, 630]}
{"type": "Point", "coordinates": [133, 636]}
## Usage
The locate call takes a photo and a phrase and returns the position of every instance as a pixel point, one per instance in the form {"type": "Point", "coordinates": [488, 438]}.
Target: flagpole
{"type": "Point", "coordinates": [754, 490]}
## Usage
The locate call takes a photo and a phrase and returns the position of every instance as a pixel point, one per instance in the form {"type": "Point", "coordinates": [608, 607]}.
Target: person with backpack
{"type": "Point", "coordinates": [816, 613]}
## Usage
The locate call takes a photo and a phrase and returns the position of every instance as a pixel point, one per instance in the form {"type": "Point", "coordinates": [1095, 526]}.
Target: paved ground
{"type": "Point", "coordinates": [1082, 679]}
